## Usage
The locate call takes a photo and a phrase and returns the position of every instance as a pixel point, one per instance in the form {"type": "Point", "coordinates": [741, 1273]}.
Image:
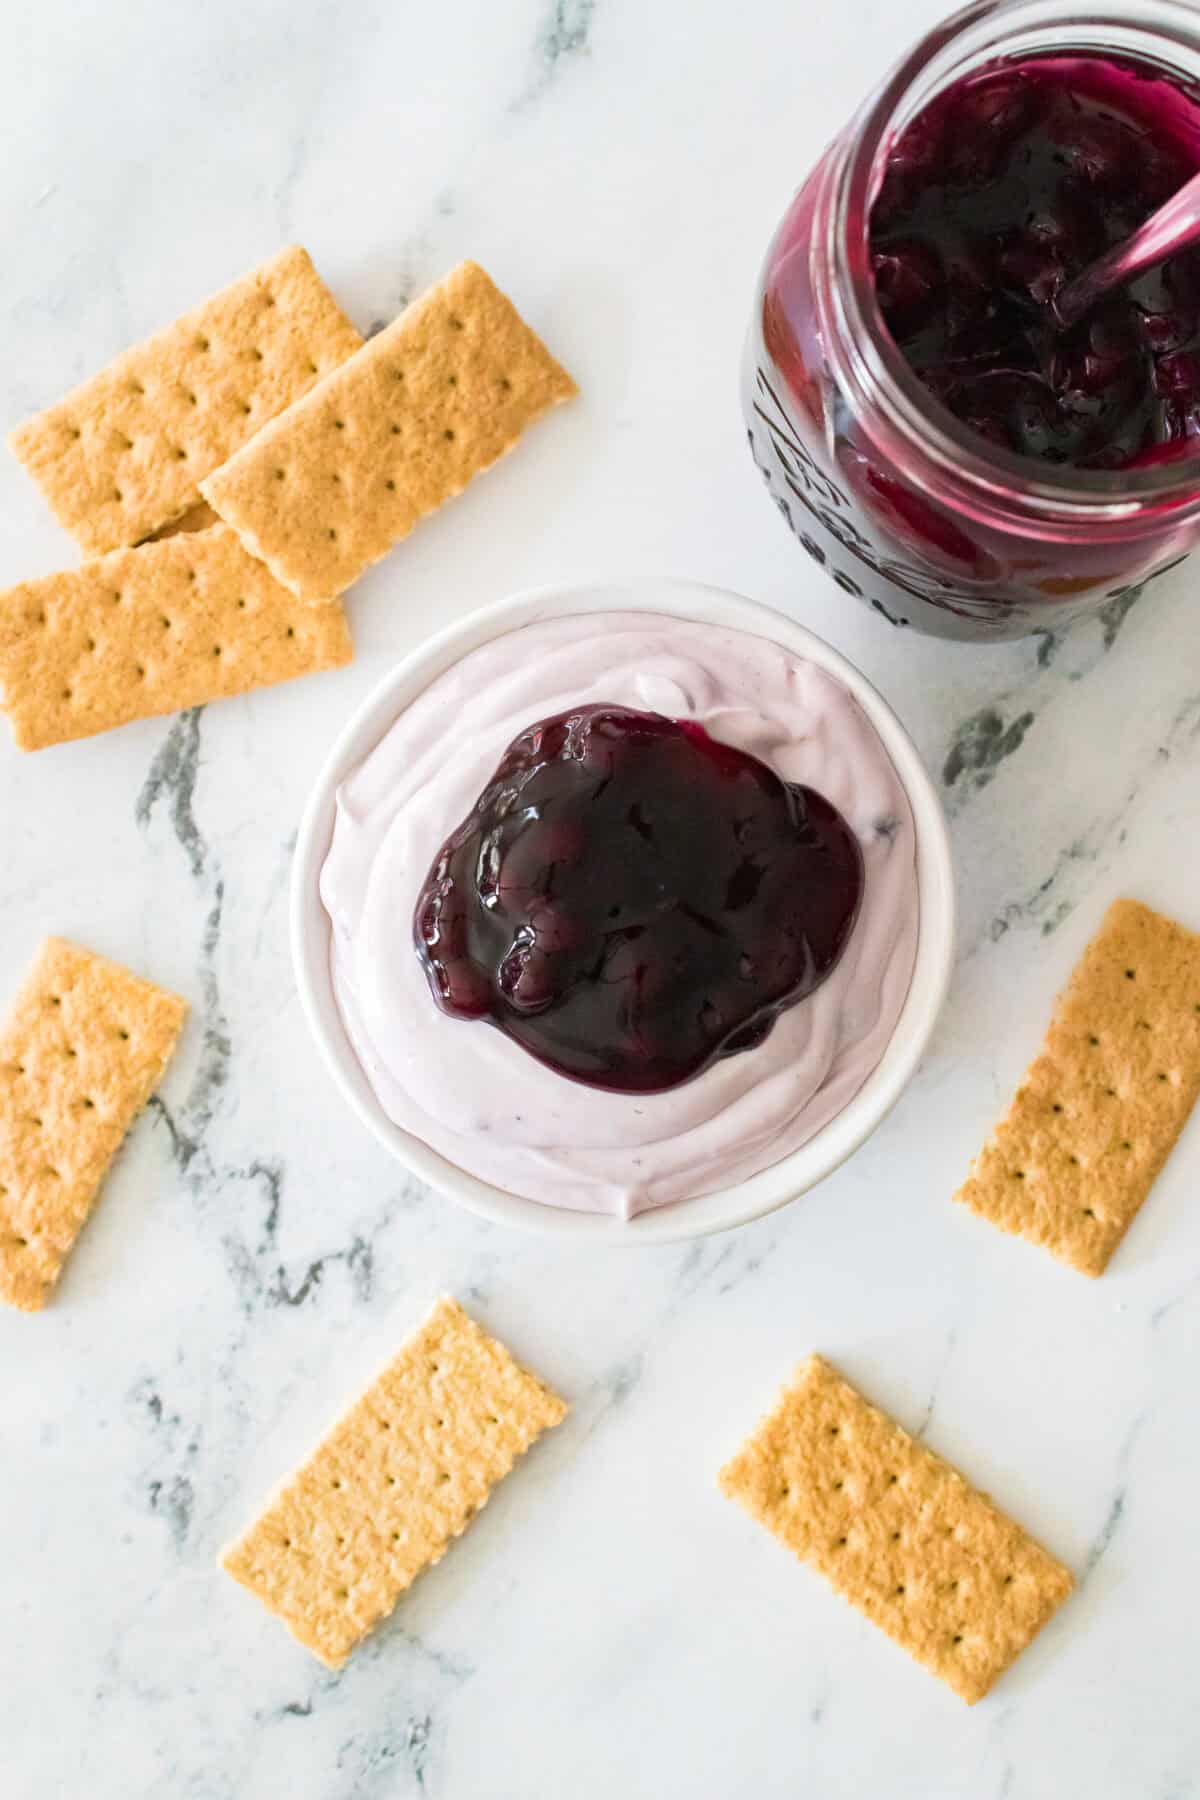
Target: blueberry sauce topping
{"type": "Point", "coordinates": [1002, 189]}
{"type": "Point", "coordinates": [630, 900]}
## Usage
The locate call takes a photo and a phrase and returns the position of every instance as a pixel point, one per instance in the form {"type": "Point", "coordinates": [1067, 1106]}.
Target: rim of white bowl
{"type": "Point", "coordinates": [794, 1174]}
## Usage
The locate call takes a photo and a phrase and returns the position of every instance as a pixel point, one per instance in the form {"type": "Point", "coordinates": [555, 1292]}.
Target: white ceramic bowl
{"type": "Point", "coordinates": [803, 1168]}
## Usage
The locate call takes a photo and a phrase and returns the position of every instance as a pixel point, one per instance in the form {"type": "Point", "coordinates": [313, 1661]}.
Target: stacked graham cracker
{"type": "Point", "coordinates": [230, 478]}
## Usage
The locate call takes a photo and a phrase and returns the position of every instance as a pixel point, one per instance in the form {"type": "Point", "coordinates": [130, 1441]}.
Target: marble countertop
{"type": "Point", "coordinates": [610, 1624]}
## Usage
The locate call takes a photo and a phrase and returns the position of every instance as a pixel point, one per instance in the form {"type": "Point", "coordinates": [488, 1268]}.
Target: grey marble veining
{"type": "Point", "coordinates": [609, 1624]}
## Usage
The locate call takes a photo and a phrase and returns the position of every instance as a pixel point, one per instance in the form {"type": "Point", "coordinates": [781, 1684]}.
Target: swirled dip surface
{"type": "Point", "coordinates": [474, 1094]}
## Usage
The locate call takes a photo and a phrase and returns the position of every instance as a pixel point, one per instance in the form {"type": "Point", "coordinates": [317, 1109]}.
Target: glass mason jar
{"type": "Point", "coordinates": [907, 509]}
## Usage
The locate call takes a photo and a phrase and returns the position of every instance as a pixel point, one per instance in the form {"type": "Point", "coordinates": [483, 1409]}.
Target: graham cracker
{"type": "Point", "coordinates": [397, 1479]}
{"type": "Point", "coordinates": [1098, 1113]}
{"type": "Point", "coordinates": [125, 452]}
{"type": "Point", "coordinates": [896, 1531]}
{"type": "Point", "coordinates": [80, 1054]}
{"type": "Point", "coordinates": [402, 427]}
{"type": "Point", "coordinates": [170, 624]}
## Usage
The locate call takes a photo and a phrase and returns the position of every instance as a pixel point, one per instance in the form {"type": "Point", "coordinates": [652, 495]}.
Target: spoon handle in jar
{"type": "Point", "coordinates": [1174, 226]}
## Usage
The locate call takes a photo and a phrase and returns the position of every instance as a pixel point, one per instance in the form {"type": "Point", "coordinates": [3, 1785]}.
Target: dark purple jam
{"type": "Point", "coordinates": [1000, 191]}
{"type": "Point", "coordinates": [630, 900]}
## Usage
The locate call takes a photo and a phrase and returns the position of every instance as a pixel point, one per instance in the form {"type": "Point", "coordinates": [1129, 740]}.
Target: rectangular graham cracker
{"type": "Point", "coordinates": [397, 1478]}
{"type": "Point", "coordinates": [896, 1531]}
{"type": "Point", "coordinates": [1098, 1113]}
{"type": "Point", "coordinates": [167, 625]}
{"type": "Point", "coordinates": [124, 454]}
{"type": "Point", "coordinates": [80, 1054]}
{"type": "Point", "coordinates": [390, 436]}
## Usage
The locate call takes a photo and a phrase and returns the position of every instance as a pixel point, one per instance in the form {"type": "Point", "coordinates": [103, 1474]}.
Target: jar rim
{"type": "Point", "coordinates": [874, 364]}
